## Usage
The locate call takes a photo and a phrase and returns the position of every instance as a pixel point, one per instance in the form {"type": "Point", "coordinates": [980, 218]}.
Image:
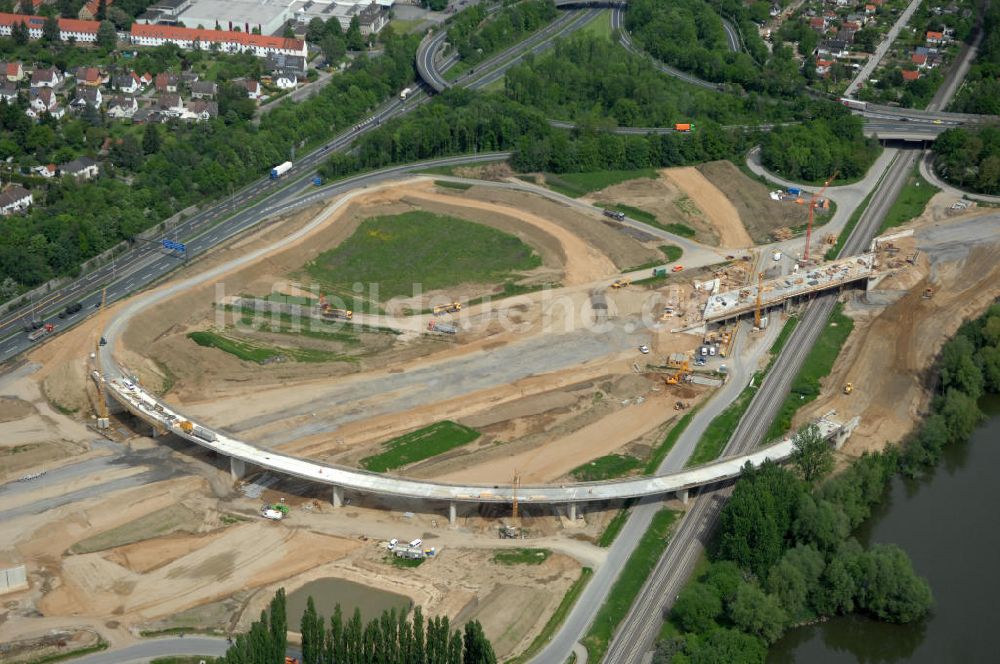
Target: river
{"type": "Point", "coordinates": [945, 522]}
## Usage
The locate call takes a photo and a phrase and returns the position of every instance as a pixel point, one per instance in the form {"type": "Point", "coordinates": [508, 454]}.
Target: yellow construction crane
{"type": "Point", "coordinates": [760, 293]}
{"type": "Point", "coordinates": [812, 208]}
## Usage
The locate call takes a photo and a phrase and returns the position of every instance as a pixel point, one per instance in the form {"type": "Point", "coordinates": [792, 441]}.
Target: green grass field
{"type": "Point", "coordinates": [419, 445]}
{"type": "Point", "coordinates": [579, 184]}
{"type": "Point", "coordinates": [606, 467]}
{"type": "Point", "coordinates": [557, 618]}
{"type": "Point", "coordinates": [436, 251]}
{"type": "Point", "coordinates": [447, 184]}
{"type": "Point", "coordinates": [521, 556]}
{"type": "Point", "coordinates": [615, 525]}
{"type": "Point", "coordinates": [912, 200]}
{"type": "Point", "coordinates": [600, 26]}
{"type": "Point", "coordinates": [262, 353]}
{"type": "Point", "coordinates": [633, 575]}
{"type": "Point", "coordinates": [817, 366]}
{"type": "Point", "coordinates": [677, 228]}
{"type": "Point", "coordinates": [661, 451]}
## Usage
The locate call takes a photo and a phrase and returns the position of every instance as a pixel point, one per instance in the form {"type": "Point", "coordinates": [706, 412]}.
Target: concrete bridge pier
{"type": "Point", "coordinates": [682, 496]}
{"type": "Point", "coordinates": [338, 496]}
{"type": "Point", "coordinates": [237, 468]}
{"type": "Point", "coordinates": [452, 513]}
{"type": "Point", "coordinates": [571, 511]}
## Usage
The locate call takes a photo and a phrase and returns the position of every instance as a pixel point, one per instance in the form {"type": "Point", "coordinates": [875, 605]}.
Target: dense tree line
{"type": "Point", "coordinates": [969, 157]}
{"type": "Point", "coordinates": [812, 151]}
{"type": "Point", "coordinates": [688, 34]}
{"type": "Point", "coordinates": [174, 166]}
{"type": "Point", "coordinates": [459, 122]}
{"type": "Point", "coordinates": [475, 36]}
{"type": "Point", "coordinates": [592, 80]}
{"type": "Point", "coordinates": [784, 552]}
{"type": "Point", "coordinates": [392, 638]}
{"type": "Point", "coordinates": [980, 93]}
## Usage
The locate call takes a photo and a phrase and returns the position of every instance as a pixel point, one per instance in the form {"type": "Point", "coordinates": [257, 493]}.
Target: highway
{"type": "Point", "coordinates": [638, 632]}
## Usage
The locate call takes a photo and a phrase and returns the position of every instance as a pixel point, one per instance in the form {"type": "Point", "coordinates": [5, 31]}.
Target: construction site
{"type": "Point", "coordinates": [572, 365]}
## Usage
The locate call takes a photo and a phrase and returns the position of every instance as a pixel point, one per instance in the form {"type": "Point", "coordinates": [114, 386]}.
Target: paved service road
{"type": "Point", "coordinates": [153, 648]}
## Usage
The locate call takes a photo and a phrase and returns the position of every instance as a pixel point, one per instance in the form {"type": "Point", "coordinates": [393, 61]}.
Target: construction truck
{"type": "Point", "coordinates": [683, 127]}
{"type": "Point", "coordinates": [185, 426]}
{"type": "Point", "coordinates": [204, 434]}
{"type": "Point", "coordinates": [280, 169]}
{"type": "Point", "coordinates": [621, 283]}
{"type": "Point", "coordinates": [848, 388]}
{"type": "Point", "coordinates": [452, 308]}
{"type": "Point", "coordinates": [45, 329]}
{"type": "Point", "coordinates": [615, 214]}
{"type": "Point", "coordinates": [337, 314]}
{"type": "Point", "coordinates": [444, 328]}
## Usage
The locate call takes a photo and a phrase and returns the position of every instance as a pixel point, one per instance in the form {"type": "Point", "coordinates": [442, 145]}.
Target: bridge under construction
{"type": "Point", "coordinates": [769, 293]}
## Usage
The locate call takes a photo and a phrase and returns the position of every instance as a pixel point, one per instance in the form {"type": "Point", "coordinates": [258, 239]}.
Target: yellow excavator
{"type": "Point", "coordinates": [848, 388]}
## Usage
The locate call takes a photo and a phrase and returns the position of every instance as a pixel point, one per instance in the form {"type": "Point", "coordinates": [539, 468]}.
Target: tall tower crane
{"type": "Point", "coordinates": [812, 207]}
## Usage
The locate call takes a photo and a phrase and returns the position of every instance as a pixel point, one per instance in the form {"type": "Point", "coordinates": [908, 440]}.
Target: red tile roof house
{"type": "Point", "coordinates": [935, 37]}
{"type": "Point", "coordinates": [910, 75]}
{"type": "Point", "coordinates": [919, 59]}
{"type": "Point", "coordinates": [13, 71]}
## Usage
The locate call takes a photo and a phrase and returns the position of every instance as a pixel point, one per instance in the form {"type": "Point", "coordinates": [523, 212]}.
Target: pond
{"type": "Point", "coordinates": [329, 592]}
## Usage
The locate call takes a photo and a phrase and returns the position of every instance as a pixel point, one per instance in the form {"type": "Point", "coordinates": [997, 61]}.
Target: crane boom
{"type": "Point", "coordinates": [812, 207]}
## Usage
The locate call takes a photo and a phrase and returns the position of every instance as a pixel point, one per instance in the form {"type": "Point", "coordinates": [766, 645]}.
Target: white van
{"type": "Point", "coordinates": [392, 543]}
{"type": "Point", "coordinates": [415, 544]}
{"type": "Point", "coordinates": [704, 351]}
{"type": "Point", "coordinates": [711, 351]}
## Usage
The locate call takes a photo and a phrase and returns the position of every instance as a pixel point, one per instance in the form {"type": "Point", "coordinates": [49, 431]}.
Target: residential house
{"type": "Point", "coordinates": [919, 59]}
{"type": "Point", "coordinates": [227, 41]}
{"type": "Point", "coordinates": [89, 76]}
{"type": "Point", "coordinates": [823, 66]}
{"type": "Point", "coordinates": [15, 199]}
{"type": "Point", "coordinates": [846, 35]}
{"type": "Point", "coordinates": [287, 81]}
{"type": "Point", "coordinates": [45, 170]}
{"type": "Point", "coordinates": [201, 109]}
{"type": "Point", "coordinates": [13, 71]}
{"type": "Point", "coordinates": [851, 25]}
{"type": "Point", "coordinates": [146, 115]}
{"type": "Point", "coordinates": [373, 18]}
{"type": "Point", "coordinates": [42, 101]}
{"type": "Point", "coordinates": [253, 89]}
{"type": "Point", "coordinates": [204, 90]}
{"type": "Point", "coordinates": [833, 49]}
{"type": "Point", "coordinates": [935, 37]}
{"type": "Point", "coordinates": [166, 82]}
{"type": "Point", "coordinates": [83, 168]}
{"type": "Point", "coordinates": [122, 106]}
{"type": "Point", "coordinates": [91, 97]}
{"type": "Point", "coordinates": [279, 63]}
{"type": "Point", "coordinates": [818, 24]}
{"type": "Point", "coordinates": [146, 79]}
{"type": "Point", "coordinates": [8, 91]}
{"type": "Point", "coordinates": [910, 75]}
{"type": "Point", "coordinates": [128, 83]}
{"type": "Point", "coordinates": [189, 78]}
{"type": "Point", "coordinates": [89, 11]}
{"type": "Point", "coordinates": [45, 78]}
{"type": "Point", "coordinates": [869, 10]}
{"type": "Point", "coordinates": [170, 104]}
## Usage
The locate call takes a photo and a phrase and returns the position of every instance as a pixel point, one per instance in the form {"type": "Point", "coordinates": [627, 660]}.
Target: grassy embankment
{"type": "Point", "coordinates": [623, 593]}
{"type": "Point", "coordinates": [418, 445]}
{"type": "Point", "coordinates": [910, 203]}
{"type": "Point", "coordinates": [721, 429]}
{"type": "Point", "coordinates": [576, 185]}
{"type": "Point", "coordinates": [436, 251]}
{"type": "Point", "coordinates": [261, 353]}
{"type": "Point", "coordinates": [521, 556]}
{"type": "Point", "coordinates": [817, 366]}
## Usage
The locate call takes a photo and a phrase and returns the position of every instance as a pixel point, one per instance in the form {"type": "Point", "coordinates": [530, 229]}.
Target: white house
{"type": "Point", "coordinates": [45, 78]}
{"type": "Point", "coordinates": [123, 106]}
{"type": "Point", "coordinates": [43, 100]}
{"type": "Point", "coordinates": [286, 81]}
{"type": "Point", "coordinates": [128, 83]}
{"type": "Point", "coordinates": [15, 199]}
{"type": "Point", "coordinates": [83, 168]}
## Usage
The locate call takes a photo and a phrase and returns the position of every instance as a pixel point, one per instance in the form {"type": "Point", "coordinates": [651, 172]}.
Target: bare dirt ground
{"type": "Point", "coordinates": [898, 333]}
{"type": "Point", "coordinates": [718, 209]}
{"type": "Point", "coordinates": [760, 215]}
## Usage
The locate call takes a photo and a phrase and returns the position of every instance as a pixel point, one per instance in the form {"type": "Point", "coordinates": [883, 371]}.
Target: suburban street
{"type": "Point", "coordinates": [875, 58]}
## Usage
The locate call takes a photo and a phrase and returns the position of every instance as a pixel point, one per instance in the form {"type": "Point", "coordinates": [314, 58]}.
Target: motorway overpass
{"type": "Point", "coordinates": [244, 456]}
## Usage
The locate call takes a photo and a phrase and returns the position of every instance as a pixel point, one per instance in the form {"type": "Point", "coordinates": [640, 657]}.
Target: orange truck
{"type": "Point", "coordinates": [684, 126]}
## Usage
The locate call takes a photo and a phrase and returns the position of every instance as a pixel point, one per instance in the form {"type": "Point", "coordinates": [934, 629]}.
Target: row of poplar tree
{"type": "Point", "coordinates": [393, 638]}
